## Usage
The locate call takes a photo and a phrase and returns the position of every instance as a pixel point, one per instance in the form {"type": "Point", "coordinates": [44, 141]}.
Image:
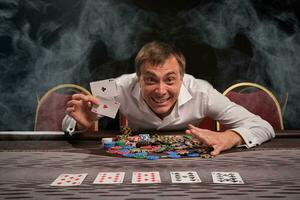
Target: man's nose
{"type": "Point", "coordinates": [161, 89]}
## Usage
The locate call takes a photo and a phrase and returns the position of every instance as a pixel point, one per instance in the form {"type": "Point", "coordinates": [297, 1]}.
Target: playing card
{"type": "Point", "coordinates": [185, 177]}
{"type": "Point", "coordinates": [109, 178]}
{"type": "Point", "coordinates": [146, 177]}
{"type": "Point", "coordinates": [105, 88]}
{"type": "Point", "coordinates": [69, 180]}
{"type": "Point", "coordinates": [107, 107]}
{"type": "Point", "coordinates": [227, 177]}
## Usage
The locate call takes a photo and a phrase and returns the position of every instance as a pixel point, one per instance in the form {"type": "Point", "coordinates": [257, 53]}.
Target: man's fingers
{"type": "Point", "coordinates": [70, 109]}
{"type": "Point", "coordinates": [191, 126]}
{"type": "Point", "coordinates": [199, 136]}
{"type": "Point", "coordinates": [73, 103]}
{"type": "Point", "coordinates": [217, 150]}
{"type": "Point", "coordinates": [86, 98]}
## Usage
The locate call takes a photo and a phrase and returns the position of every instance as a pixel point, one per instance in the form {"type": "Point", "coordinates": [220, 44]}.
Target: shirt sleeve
{"type": "Point", "coordinates": [252, 128]}
{"type": "Point", "coordinates": [69, 126]}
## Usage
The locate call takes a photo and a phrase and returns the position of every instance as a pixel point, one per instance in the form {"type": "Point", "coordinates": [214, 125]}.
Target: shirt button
{"type": "Point", "coordinates": [250, 142]}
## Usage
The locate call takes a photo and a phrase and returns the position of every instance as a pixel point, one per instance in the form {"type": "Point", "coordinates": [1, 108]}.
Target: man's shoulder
{"type": "Point", "coordinates": [127, 79]}
{"type": "Point", "coordinates": [195, 84]}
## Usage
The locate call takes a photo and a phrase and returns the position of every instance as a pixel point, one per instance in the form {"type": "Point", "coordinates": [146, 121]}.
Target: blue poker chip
{"type": "Point", "coordinates": [127, 147]}
{"type": "Point", "coordinates": [141, 154]}
{"type": "Point", "coordinates": [144, 137]}
{"type": "Point", "coordinates": [172, 153]}
{"type": "Point", "coordinates": [174, 156]}
{"type": "Point", "coordinates": [123, 150]}
{"type": "Point", "coordinates": [129, 155]}
{"type": "Point", "coordinates": [108, 145]}
{"type": "Point", "coordinates": [152, 157]}
{"type": "Point", "coordinates": [193, 154]}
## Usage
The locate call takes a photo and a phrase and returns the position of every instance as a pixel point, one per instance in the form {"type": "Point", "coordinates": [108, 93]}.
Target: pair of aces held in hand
{"type": "Point", "coordinates": [105, 91]}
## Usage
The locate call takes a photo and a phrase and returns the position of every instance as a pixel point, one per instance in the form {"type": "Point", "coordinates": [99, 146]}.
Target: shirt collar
{"type": "Point", "coordinates": [184, 95]}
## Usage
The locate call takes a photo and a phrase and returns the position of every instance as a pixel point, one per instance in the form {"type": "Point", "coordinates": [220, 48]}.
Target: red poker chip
{"type": "Point", "coordinates": [111, 151]}
{"type": "Point", "coordinates": [155, 148]}
{"type": "Point", "coordinates": [147, 147]}
{"type": "Point", "coordinates": [122, 152]}
{"type": "Point", "coordinates": [116, 148]}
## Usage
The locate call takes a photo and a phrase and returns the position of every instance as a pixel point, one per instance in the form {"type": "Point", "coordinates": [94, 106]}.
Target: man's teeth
{"type": "Point", "coordinates": [160, 100]}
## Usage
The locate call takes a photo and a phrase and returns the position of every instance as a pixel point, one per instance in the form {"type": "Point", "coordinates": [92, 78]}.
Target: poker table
{"type": "Point", "coordinates": [31, 161]}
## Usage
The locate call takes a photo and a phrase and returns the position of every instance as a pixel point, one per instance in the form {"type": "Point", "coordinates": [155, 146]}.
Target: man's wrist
{"type": "Point", "coordinates": [235, 137]}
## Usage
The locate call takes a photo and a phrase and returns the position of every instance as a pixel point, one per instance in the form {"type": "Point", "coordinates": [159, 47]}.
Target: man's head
{"type": "Point", "coordinates": [160, 68]}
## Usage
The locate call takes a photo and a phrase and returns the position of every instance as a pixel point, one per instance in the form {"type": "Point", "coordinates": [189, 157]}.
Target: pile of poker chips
{"type": "Point", "coordinates": [144, 146]}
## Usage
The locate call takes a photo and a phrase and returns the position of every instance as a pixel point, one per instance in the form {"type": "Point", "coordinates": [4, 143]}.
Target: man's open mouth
{"type": "Point", "coordinates": [160, 100]}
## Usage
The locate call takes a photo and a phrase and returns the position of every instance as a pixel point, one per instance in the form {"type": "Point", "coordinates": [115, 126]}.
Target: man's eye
{"type": "Point", "coordinates": [170, 80]}
{"type": "Point", "coordinates": [150, 80]}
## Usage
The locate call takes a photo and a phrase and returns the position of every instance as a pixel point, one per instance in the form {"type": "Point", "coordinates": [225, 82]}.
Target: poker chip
{"type": "Point", "coordinates": [129, 155]}
{"type": "Point", "coordinates": [108, 145]}
{"type": "Point", "coordinates": [111, 151]}
{"type": "Point", "coordinates": [193, 154]}
{"type": "Point", "coordinates": [188, 136]}
{"type": "Point", "coordinates": [141, 145]}
{"type": "Point", "coordinates": [152, 157]}
{"type": "Point", "coordinates": [116, 148]}
{"type": "Point", "coordinates": [122, 152]}
{"type": "Point", "coordinates": [139, 156]}
{"type": "Point", "coordinates": [147, 147]}
{"type": "Point", "coordinates": [141, 153]}
{"type": "Point", "coordinates": [172, 153]}
{"type": "Point", "coordinates": [103, 140]}
{"type": "Point", "coordinates": [120, 143]}
{"type": "Point", "coordinates": [144, 137]}
{"type": "Point", "coordinates": [174, 156]}
{"type": "Point", "coordinates": [127, 147]}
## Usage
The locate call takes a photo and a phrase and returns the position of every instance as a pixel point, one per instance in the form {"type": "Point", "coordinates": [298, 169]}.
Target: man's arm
{"type": "Point", "coordinates": [245, 128]}
{"type": "Point", "coordinates": [252, 128]}
{"type": "Point", "coordinates": [79, 115]}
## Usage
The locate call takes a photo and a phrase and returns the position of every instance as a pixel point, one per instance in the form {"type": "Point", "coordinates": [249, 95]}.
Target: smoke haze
{"type": "Point", "coordinates": [43, 44]}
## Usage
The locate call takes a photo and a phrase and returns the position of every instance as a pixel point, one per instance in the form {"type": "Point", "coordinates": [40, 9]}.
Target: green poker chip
{"type": "Point", "coordinates": [120, 143]}
{"type": "Point", "coordinates": [188, 136]}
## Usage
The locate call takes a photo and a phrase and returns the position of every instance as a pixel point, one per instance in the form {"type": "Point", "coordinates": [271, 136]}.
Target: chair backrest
{"type": "Point", "coordinates": [208, 123]}
{"type": "Point", "coordinates": [51, 107]}
{"type": "Point", "coordinates": [258, 100]}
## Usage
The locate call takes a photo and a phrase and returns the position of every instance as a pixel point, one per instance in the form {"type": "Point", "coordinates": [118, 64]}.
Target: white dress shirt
{"type": "Point", "coordinates": [197, 99]}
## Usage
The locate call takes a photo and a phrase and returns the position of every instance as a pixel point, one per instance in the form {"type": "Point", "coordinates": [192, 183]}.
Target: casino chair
{"type": "Point", "coordinates": [51, 107]}
{"type": "Point", "coordinates": [208, 123]}
{"type": "Point", "coordinates": [258, 100]}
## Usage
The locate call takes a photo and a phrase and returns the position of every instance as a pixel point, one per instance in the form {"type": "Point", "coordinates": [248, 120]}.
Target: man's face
{"type": "Point", "coordinates": [160, 86]}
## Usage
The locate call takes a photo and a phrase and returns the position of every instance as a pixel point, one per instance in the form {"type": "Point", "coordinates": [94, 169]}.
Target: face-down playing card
{"type": "Point", "coordinates": [146, 177]}
{"type": "Point", "coordinates": [109, 178]}
{"type": "Point", "coordinates": [69, 180]}
{"type": "Point", "coordinates": [106, 107]}
{"type": "Point", "coordinates": [185, 177]}
{"type": "Point", "coordinates": [227, 177]}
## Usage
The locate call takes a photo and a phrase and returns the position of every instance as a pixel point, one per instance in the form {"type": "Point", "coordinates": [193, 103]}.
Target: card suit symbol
{"type": "Point", "coordinates": [105, 106]}
{"type": "Point", "coordinates": [103, 89]}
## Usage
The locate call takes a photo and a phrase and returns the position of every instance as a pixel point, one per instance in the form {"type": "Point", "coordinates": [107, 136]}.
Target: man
{"type": "Point", "coordinates": [161, 96]}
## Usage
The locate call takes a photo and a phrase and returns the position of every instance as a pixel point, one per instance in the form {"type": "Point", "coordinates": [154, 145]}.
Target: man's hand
{"type": "Point", "coordinates": [79, 107]}
{"type": "Point", "coordinates": [220, 141]}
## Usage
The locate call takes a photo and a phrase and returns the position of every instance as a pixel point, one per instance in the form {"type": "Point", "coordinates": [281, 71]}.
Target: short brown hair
{"type": "Point", "coordinates": [157, 53]}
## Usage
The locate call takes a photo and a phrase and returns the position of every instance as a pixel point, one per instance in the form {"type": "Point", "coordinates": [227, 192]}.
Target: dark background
{"type": "Point", "coordinates": [44, 43]}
